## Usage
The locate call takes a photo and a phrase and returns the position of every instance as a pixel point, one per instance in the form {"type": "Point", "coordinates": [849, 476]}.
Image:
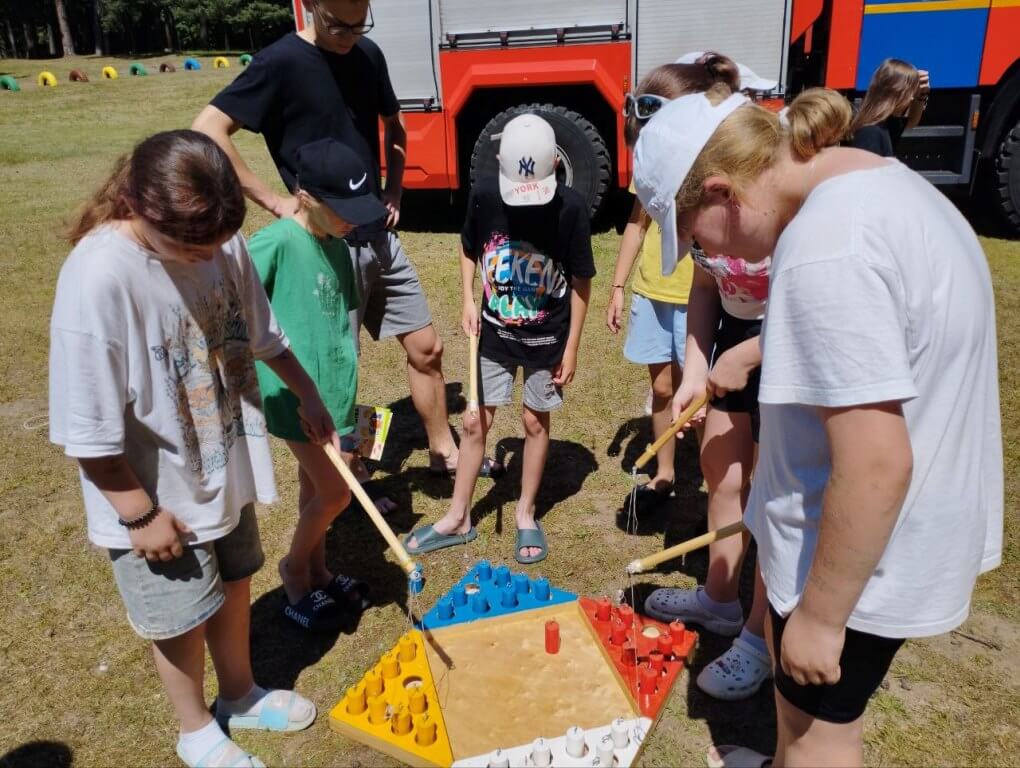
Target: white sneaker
{"type": "Point", "coordinates": [683, 604]}
{"type": "Point", "coordinates": [737, 674]}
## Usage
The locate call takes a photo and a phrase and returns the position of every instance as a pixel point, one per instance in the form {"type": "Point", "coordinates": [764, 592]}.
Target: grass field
{"type": "Point", "coordinates": [77, 686]}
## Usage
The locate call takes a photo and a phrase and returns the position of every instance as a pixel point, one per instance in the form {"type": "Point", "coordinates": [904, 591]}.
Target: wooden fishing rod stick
{"type": "Point", "coordinates": [647, 563]}
{"type": "Point", "coordinates": [414, 572]}
{"type": "Point", "coordinates": [473, 375]}
{"type": "Point", "coordinates": [671, 431]}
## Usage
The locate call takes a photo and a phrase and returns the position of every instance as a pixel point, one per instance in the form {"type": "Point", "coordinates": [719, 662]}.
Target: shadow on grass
{"type": "Point", "coordinates": [676, 515]}
{"type": "Point", "coordinates": [38, 754]}
{"type": "Point", "coordinates": [749, 723]}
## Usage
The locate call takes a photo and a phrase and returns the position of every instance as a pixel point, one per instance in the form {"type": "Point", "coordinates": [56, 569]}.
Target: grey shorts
{"type": "Point", "coordinates": [497, 386]}
{"type": "Point", "coordinates": [165, 600]}
{"type": "Point", "coordinates": [392, 301]}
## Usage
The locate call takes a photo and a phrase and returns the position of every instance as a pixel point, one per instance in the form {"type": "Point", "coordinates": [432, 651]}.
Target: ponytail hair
{"type": "Point", "coordinates": [671, 81]}
{"type": "Point", "coordinates": [816, 119]}
{"type": "Point", "coordinates": [179, 182]}
{"type": "Point", "coordinates": [750, 140]}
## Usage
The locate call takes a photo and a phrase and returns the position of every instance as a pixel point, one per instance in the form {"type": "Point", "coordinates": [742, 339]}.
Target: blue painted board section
{"type": "Point", "coordinates": [487, 591]}
{"type": "Point", "coordinates": [948, 44]}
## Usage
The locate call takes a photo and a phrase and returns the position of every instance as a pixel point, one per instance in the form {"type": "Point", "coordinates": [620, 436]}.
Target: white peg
{"type": "Point", "coordinates": [575, 742]}
{"type": "Point", "coordinates": [541, 755]}
{"type": "Point", "coordinates": [619, 729]}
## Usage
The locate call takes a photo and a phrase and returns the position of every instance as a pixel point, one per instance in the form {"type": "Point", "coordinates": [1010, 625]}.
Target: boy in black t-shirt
{"type": "Point", "coordinates": [530, 237]}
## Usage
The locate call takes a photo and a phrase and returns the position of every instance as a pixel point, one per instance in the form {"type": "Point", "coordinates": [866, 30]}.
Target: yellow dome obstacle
{"type": "Point", "coordinates": [47, 80]}
{"type": "Point", "coordinates": [220, 62]}
{"type": "Point", "coordinates": [109, 73]}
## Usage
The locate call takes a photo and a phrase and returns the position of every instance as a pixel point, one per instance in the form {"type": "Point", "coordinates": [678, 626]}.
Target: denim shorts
{"type": "Point", "coordinates": [165, 600]}
{"type": "Point", "coordinates": [497, 386]}
{"type": "Point", "coordinates": [657, 332]}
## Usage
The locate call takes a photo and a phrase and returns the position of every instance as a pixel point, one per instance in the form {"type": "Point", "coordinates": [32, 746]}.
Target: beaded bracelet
{"type": "Point", "coordinates": [141, 522]}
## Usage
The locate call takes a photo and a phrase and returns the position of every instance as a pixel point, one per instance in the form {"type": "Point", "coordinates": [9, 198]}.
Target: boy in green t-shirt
{"type": "Point", "coordinates": [307, 273]}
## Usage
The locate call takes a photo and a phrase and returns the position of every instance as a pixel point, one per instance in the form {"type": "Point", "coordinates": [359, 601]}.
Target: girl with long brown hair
{"type": "Point", "coordinates": [895, 101]}
{"type": "Point", "coordinates": [158, 319]}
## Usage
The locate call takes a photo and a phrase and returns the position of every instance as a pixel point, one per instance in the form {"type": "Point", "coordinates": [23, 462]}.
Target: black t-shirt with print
{"type": "Point", "coordinates": [294, 93]}
{"type": "Point", "coordinates": [528, 256]}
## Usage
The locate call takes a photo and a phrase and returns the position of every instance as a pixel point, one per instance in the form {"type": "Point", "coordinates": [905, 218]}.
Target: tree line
{"type": "Point", "coordinates": [50, 28]}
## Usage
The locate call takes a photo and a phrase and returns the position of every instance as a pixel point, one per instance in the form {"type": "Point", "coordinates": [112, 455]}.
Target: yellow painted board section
{"type": "Point", "coordinates": [499, 688]}
{"type": "Point", "coordinates": [395, 708]}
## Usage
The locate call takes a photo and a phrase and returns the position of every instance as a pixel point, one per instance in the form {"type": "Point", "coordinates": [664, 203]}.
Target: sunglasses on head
{"type": "Point", "coordinates": [336, 28]}
{"type": "Point", "coordinates": [643, 106]}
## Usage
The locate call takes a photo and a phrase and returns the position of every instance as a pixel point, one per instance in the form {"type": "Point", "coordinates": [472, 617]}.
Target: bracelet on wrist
{"type": "Point", "coordinates": [142, 520]}
{"type": "Point", "coordinates": [614, 287]}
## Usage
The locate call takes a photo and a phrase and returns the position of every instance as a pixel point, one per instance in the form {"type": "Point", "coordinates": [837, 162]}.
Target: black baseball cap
{"type": "Point", "coordinates": [333, 173]}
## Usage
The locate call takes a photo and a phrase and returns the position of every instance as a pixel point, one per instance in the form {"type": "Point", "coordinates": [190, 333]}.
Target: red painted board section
{"type": "Point", "coordinates": [662, 650]}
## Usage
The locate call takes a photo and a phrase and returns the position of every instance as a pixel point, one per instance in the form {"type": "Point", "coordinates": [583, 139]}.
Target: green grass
{"type": "Point", "coordinates": [75, 678]}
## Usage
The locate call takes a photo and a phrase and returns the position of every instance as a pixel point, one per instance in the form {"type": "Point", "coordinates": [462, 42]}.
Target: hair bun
{"type": "Point", "coordinates": [816, 119]}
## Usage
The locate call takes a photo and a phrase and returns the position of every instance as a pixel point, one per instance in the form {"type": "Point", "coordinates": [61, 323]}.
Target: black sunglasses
{"type": "Point", "coordinates": [337, 28]}
{"type": "Point", "coordinates": [643, 106]}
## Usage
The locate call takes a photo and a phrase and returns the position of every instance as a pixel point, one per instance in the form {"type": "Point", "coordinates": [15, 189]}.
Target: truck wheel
{"type": "Point", "coordinates": [584, 158]}
{"type": "Point", "coordinates": [1007, 167]}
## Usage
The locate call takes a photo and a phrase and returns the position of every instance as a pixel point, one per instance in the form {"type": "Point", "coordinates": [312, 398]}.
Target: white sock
{"type": "Point", "coordinates": [249, 704]}
{"type": "Point", "coordinates": [195, 745]}
{"type": "Point", "coordinates": [731, 611]}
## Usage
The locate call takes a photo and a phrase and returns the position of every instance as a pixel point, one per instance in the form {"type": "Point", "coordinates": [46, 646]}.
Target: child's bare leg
{"type": "Point", "coordinates": [226, 634]}
{"type": "Point", "coordinates": [327, 495]}
{"type": "Point", "coordinates": [457, 520]}
{"type": "Point", "coordinates": [180, 662]}
{"type": "Point", "coordinates": [726, 461]}
{"type": "Point", "coordinates": [806, 741]}
{"type": "Point", "coordinates": [536, 450]}
{"type": "Point", "coordinates": [663, 376]}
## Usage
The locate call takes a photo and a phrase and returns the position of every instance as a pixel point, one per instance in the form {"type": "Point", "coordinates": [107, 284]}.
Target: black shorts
{"type": "Point", "coordinates": [863, 664]}
{"type": "Point", "coordinates": [731, 332]}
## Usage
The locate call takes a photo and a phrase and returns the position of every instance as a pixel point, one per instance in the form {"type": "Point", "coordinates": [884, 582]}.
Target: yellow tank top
{"type": "Point", "coordinates": [649, 280]}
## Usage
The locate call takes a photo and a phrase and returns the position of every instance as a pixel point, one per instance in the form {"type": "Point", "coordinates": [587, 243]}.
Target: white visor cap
{"type": "Point", "coordinates": [749, 81]}
{"type": "Point", "coordinates": [664, 154]}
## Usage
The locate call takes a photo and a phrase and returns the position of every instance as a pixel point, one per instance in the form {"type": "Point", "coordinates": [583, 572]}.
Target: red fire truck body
{"type": "Point", "coordinates": [462, 68]}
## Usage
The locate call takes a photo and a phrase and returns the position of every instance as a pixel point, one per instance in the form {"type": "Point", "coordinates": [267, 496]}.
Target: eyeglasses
{"type": "Point", "coordinates": [644, 106]}
{"type": "Point", "coordinates": [336, 28]}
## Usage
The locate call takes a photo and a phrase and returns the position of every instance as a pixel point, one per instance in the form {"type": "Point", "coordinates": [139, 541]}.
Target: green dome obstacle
{"type": "Point", "coordinates": [138, 69]}
{"type": "Point", "coordinates": [245, 59]}
{"type": "Point", "coordinates": [8, 83]}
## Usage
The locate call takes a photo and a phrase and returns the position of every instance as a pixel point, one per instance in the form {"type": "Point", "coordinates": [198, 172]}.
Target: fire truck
{"type": "Point", "coordinates": [462, 68]}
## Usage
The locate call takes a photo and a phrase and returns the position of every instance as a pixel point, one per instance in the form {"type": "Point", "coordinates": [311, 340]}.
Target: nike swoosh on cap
{"type": "Point", "coordinates": [355, 187]}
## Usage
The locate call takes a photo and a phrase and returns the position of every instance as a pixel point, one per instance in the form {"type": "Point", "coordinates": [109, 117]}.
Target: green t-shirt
{"type": "Point", "coordinates": [311, 286]}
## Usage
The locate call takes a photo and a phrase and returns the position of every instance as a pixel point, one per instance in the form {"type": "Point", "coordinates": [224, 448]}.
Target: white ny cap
{"type": "Point", "coordinates": [665, 153]}
{"type": "Point", "coordinates": [527, 161]}
{"type": "Point", "coordinates": [749, 81]}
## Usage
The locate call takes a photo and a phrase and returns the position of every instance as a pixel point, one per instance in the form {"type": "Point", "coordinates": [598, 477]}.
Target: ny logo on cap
{"type": "Point", "coordinates": [527, 167]}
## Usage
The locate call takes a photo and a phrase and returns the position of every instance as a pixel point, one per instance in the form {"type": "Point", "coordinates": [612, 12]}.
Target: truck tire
{"type": "Point", "coordinates": [585, 164]}
{"type": "Point", "coordinates": [1007, 168]}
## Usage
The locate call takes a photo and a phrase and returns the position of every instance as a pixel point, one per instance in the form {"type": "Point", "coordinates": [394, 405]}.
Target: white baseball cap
{"type": "Point", "coordinates": [749, 81]}
{"type": "Point", "coordinates": [665, 153]}
{"type": "Point", "coordinates": [527, 161]}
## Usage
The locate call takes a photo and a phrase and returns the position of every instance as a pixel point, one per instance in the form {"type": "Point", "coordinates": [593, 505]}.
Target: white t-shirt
{"type": "Point", "coordinates": [881, 292]}
{"type": "Point", "coordinates": [155, 360]}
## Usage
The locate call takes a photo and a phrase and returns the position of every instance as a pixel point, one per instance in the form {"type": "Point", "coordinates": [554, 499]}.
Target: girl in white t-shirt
{"type": "Point", "coordinates": [878, 494]}
{"type": "Point", "coordinates": [158, 319]}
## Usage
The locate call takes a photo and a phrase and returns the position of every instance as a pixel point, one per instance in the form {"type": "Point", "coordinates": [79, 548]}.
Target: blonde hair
{"type": "Point", "coordinates": [892, 87]}
{"type": "Point", "coordinates": [750, 141]}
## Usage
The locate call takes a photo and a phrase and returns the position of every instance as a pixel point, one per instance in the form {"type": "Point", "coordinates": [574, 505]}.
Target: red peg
{"type": "Point", "coordinates": [629, 654]}
{"type": "Point", "coordinates": [656, 660]}
{"type": "Point", "coordinates": [626, 614]}
{"type": "Point", "coordinates": [665, 645]}
{"type": "Point", "coordinates": [552, 637]}
{"type": "Point", "coordinates": [678, 632]}
{"type": "Point", "coordinates": [603, 609]}
{"type": "Point", "coordinates": [647, 681]}
{"type": "Point", "coordinates": [618, 633]}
